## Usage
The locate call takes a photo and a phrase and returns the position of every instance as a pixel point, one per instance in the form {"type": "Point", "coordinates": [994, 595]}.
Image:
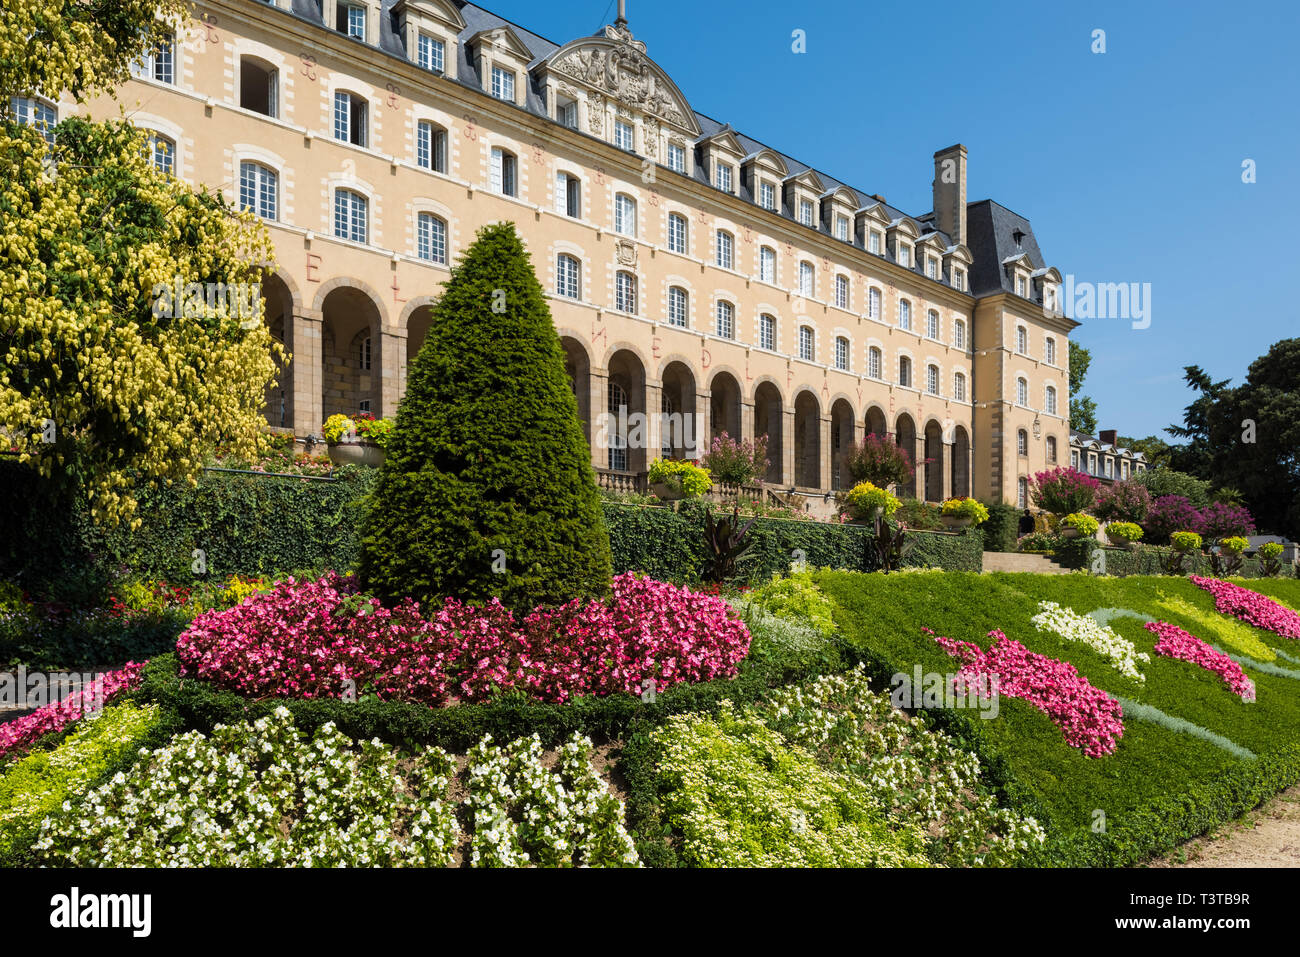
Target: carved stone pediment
{"type": "Point", "coordinates": [619, 68]}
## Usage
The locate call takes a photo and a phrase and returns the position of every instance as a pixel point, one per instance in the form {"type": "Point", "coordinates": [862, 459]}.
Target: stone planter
{"type": "Point", "coordinates": [1069, 531]}
{"type": "Point", "coordinates": [1123, 543]}
{"type": "Point", "coordinates": [667, 492]}
{"type": "Point", "coordinates": [956, 521]}
{"type": "Point", "coordinates": [360, 452]}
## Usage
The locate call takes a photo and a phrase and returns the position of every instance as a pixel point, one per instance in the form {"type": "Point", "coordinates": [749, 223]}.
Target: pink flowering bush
{"type": "Point", "coordinates": [21, 732]}
{"type": "Point", "coordinates": [310, 639]}
{"type": "Point", "coordinates": [1251, 607]}
{"type": "Point", "coordinates": [1175, 643]}
{"type": "Point", "coordinates": [1089, 718]}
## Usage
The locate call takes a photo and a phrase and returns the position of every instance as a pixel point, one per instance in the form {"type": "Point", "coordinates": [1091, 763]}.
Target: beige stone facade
{"type": "Point", "coordinates": [690, 270]}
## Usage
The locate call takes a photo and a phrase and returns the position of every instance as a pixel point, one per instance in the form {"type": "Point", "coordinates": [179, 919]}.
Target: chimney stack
{"type": "Point", "coordinates": [950, 192]}
{"type": "Point", "coordinates": [1109, 436]}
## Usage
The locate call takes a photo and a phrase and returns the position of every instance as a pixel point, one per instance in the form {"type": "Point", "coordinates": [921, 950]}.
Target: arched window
{"type": "Point", "coordinates": [677, 233]}
{"type": "Point", "coordinates": [568, 276]}
{"type": "Point", "coordinates": [1022, 392]}
{"type": "Point", "coordinates": [873, 303]}
{"type": "Point", "coordinates": [430, 146]}
{"type": "Point", "coordinates": [678, 305]}
{"type": "Point", "coordinates": [842, 353]}
{"type": "Point", "coordinates": [726, 319]}
{"type": "Point", "coordinates": [624, 215]}
{"type": "Point", "coordinates": [1022, 442]}
{"type": "Point", "coordinates": [1051, 448]}
{"type": "Point", "coordinates": [1022, 340]}
{"type": "Point", "coordinates": [875, 362]}
{"type": "Point", "coordinates": [959, 386]}
{"type": "Point", "coordinates": [350, 215]}
{"type": "Point", "coordinates": [1022, 492]}
{"type": "Point", "coordinates": [904, 314]}
{"type": "Point", "coordinates": [1049, 351]}
{"type": "Point", "coordinates": [162, 153]}
{"type": "Point", "coordinates": [959, 334]}
{"type": "Point", "coordinates": [159, 64]}
{"type": "Point", "coordinates": [363, 360]}
{"type": "Point", "coordinates": [807, 344]}
{"type": "Point", "coordinates": [767, 264]}
{"type": "Point", "coordinates": [1049, 405]}
{"type": "Point", "coordinates": [932, 379]}
{"type": "Point", "coordinates": [502, 178]}
{"type": "Point", "coordinates": [767, 332]}
{"type": "Point", "coordinates": [905, 371]}
{"type": "Point", "coordinates": [259, 189]}
{"type": "Point", "coordinates": [350, 118]}
{"type": "Point", "coordinates": [932, 324]}
{"type": "Point", "coordinates": [625, 292]}
{"type": "Point", "coordinates": [807, 279]}
{"type": "Point", "coordinates": [30, 111]}
{"type": "Point", "coordinates": [842, 292]}
{"type": "Point", "coordinates": [259, 88]}
{"type": "Point", "coordinates": [726, 249]}
{"type": "Point", "coordinates": [431, 238]}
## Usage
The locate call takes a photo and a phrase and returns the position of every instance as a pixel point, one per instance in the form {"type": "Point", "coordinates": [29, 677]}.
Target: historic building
{"type": "Point", "coordinates": [1103, 457]}
{"type": "Point", "coordinates": [691, 270]}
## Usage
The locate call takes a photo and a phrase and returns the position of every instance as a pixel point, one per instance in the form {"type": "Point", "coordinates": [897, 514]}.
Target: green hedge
{"type": "Point", "coordinates": [1001, 529]}
{"type": "Point", "coordinates": [254, 524]}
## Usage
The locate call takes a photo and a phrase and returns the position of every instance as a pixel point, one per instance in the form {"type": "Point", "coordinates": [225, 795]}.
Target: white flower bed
{"type": "Point", "coordinates": [1071, 626]}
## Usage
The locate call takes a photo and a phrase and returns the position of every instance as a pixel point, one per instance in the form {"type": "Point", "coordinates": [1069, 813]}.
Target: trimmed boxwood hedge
{"type": "Point", "coordinates": [255, 524]}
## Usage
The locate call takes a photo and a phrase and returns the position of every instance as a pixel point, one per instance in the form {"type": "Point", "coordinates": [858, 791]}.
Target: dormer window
{"type": "Point", "coordinates": [805, 212]}
{"type": "Point", "coordinates": [767, 196]}
{"type": "Point", "coordinates": [904, 256]}
{"type": "Point", "coordinates": [676, 158]}
{"type": "Point", "coordinates": [842, 228]}
{"type": "Point", "coordinates": [503, 84]}
{"type": "Point", "coordinates": [350, 18]}
{"type": "Point", "coordinates": [873, 243]}
{"type": "Point", "coordinates": [932, 267]}
{"type": "Point", "coordinates": [624, 135]}
{"type": "Point", "coordinates": [566, 113]}
{"type": "Point", "coordinates": [1020, 285]}
{"type": "Point", "coordinates": [722, 177]}
{"type": "Point", "coordinates": [959, 279]}
{"type": "Point", "coordinates": [431, 53]}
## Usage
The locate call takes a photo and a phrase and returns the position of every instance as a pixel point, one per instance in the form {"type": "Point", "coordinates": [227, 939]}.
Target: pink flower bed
{"type": "Point", "coordinates": [1089, 718]}
{"type": "Point", "coordinates": [21, 732]}
{"type": "Point", "coordinates": [1251, 607]}
{"type": "Point", "coordinates": [1175, 643]}
{"type": "Point", "coordinates": [306, 639]}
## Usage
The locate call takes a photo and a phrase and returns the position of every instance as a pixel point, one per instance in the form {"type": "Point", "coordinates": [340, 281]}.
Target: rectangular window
{"type": "Point", "coordinates": [904, 314]}
{"type": "Point", "coordinates": [624, 136]}
{"type": "Point", "coordinates": [431, 53]}
{"type": "Point", "coordinates": [568, 196]}
{"type": "Point", "coordinates": [676, 233]}
{"type": "Point", "coordinates": [503, 84]}
{"type": "Point", "coordinates": [842, 228]}
{"type": "Point", "coordinates": [904, 256]}
{"type": "Point", "coordinates": [676, 158]}
{"type": "Point", "coordinates": [357, 22]}
{"type": "Point", "coordinates": [959, 279]}
{"type": "Point", "coordinates": [159, 64]}
{"type": "Point", "coordinates": [767, 333]}
{"type": "Point", "coordinates": [502, 172]}
{"type": "Point", "coordinates": [932, 267]}
{"type": "Point", "coordinates": [842, 292]}
{"type": "Point", "coordinates": [567, 114]}
{"type": "Point", "coordinates": [767, 264]}
{"type": "Point", "coordinates": [767, 195]}
{"type": "Point", "coordinates": [349, 118]}
{"type": "Point", "coordinates": [874, 244]}
{"type": "Point", "coordinates": [724, 177]}
{"type": "Point", "coordinates": [805, 212]}
{"type": "Point", "coordinates": [624, 215]}
{"type": "Point", "coordinates": [873, 303]}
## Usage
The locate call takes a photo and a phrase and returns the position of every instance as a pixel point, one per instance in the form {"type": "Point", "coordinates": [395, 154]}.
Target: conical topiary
{"type": "Point", "coordinates": [488, 489]}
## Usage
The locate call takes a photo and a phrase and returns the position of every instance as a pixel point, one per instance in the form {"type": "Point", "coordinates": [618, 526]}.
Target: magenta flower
{"type": "Point", "coordinates": [1251, 607]}
{"type": "Point", "coordinates": [1176, 643]}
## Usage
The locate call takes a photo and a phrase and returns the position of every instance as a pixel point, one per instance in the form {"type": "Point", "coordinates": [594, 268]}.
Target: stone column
{"type": "Point", "coordinates": [654, 429]}
{"type": "Point", "coordinates": [598, 384]}
{"type": "Point", "coordinates": [825, 454]}
{"type": "Point", "coordinates": [787, 448]}
{"type": "Point", "coordinates": [392, 372]}
{"type": "Point", "coordinates": [746, 421]}
{"type": "Point", "coordinates": [305, 372]}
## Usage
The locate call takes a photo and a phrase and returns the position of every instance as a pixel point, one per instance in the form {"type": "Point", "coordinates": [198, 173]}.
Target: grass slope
{"type": "Point", "coordinates": [1163, 784]}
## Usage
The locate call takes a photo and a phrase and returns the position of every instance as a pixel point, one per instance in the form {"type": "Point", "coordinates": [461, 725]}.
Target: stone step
{"type": "Point", "coordinates": [1017, 562]}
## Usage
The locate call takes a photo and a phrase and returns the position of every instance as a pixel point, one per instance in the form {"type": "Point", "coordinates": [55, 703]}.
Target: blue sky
{"type": "Point", "coordinates": [1128, 163]}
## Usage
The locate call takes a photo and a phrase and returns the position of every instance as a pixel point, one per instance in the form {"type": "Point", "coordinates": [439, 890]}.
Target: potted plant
{"type": "Point", "coordinates": [962, 512]}
{"type": "Point", "coordinates": [1124, 534]}
{"type": "Point", "coordinates": [1184, 542]}
{"type": "Point", "coordinates": [1077, 524]}
{"type": "Point", "coordinates": [671, 479]}
{"type": "Point", "coordinates": [867, 502]}
{"type": "Point", "coordinates": [1269, 553]}
{"type": "Point", "coordinates": [359, 440]}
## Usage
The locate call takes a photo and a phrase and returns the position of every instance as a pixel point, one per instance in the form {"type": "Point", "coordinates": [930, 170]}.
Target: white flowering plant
{"type": "Point", "coordinates": [1069, 625]}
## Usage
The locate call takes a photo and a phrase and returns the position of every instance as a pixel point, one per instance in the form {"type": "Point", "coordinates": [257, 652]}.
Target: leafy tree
{"type": "Point", "coordinates": [879, 460]}
{"type": "Point", "coordinates": [488, 488]}
{"type": "Point", "coordinates": [1155, 449]}
{"type": "Point", "coordinates": [1196, 455]}
{"type": "Point", "coordinates": [1166, 481]}
{"type": "Point", "coordinates": [99, 391]}
{"type": "Point", "coordinates": [1062, 491]}
{"type": "Point", "coordinates": [1083, 410]}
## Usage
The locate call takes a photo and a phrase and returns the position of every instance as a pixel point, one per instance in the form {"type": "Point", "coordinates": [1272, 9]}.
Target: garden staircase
{"type": "Point", "coordinates": [1021, 562]}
